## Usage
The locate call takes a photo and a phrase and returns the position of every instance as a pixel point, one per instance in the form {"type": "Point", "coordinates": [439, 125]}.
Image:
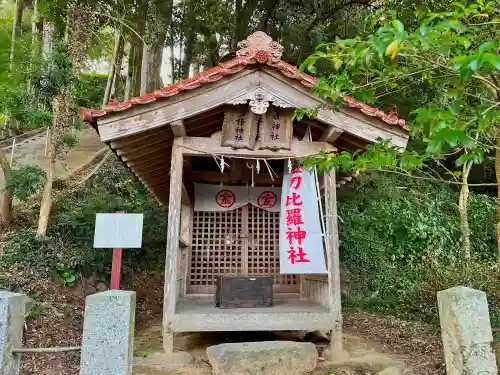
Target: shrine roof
{"type": "Point", "coordinates": [258, 49]}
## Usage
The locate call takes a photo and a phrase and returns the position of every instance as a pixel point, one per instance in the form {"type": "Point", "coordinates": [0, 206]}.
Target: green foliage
{"type": "Point", "coordinates": [67, 275]}
{"type": "Point", "coordinates": [69, 140]}
{"type": "Point", "coordinates": [26, 181]}
{"type": "Point", "coordinates": [448, 64]}
{"type": "Point", "coordinates": [68, 249]}
{"type": "Point", "coordinates": [400, 241]}
{"type": "Point", "coordinates": [89, 90]}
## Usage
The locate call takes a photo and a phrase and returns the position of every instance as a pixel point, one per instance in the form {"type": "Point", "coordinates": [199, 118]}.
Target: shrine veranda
{"type": "Point", "coordinates": [233, 126]}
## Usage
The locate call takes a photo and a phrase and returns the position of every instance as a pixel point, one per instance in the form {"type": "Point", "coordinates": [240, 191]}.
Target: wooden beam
{"type": "Point", "coordinates": [208, 176]}
{"type": "Point", "coordinates": [330, 134]}
{"type": "Point", "coordinates": [185, 198]}
{"type": "Point", "coordinates": [164, 158]}
{"type": "Point", "coordinates": [151, 167]}
{"type": "Point", "coordinates": [153, 153]}
{"type": "Point", "coordinates": [162, 132]}
{"type": "Point", "coordinates": [178, 128]}
{"type": "Point", "coordinates": [332, 254]}
{"type": "Point", "coordinates": [139, 148]}
{"type": "Point", "coordinates": [174, 219]}
{"type": "Point", "coordinates": [209, 146]}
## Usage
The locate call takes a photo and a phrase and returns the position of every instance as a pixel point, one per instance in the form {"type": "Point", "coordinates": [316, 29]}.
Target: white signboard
{"type": "Point", "coordinates": [118, 231]}
{"type": "Point", "coordinates": [301, 240]}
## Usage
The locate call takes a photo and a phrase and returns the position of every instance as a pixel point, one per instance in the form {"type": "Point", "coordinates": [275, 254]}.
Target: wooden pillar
{"type": "Point", "coordinates": [172, 252]}
{"type": "Point", "coordinates": [332, 252]}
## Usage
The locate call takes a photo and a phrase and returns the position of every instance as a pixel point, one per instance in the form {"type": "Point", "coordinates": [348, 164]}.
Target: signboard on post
{"type": "Point", "coordinates": [116, 231]}
{"type": "Point", "coordinates": [301, 239]}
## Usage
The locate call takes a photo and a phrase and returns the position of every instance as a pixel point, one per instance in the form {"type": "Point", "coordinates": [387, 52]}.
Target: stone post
{"type": "Point", "coordinates": [13, 308]}
{"type": "Point", "coordinates": [466, 332]}
{"type": "Point", "coordinates": [108, 333]}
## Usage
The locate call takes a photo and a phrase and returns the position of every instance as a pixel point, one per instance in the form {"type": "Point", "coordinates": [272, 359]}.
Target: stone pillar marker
{"type": "Point", "coordinates": [466, 332]}
{"type": "Point", "coordinates": [13, 308]}
{"type": "Point", "coordinates": [108, 333]}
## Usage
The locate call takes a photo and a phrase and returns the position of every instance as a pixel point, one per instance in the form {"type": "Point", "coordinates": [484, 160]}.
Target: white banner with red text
{"type": "Point", "coordinates": [301, 239]}
{"type": "Point", "coordinates": [224, 198]}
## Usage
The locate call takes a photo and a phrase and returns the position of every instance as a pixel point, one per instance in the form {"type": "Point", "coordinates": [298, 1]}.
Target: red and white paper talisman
{"type": "Point", "coordinates": [219, 198]}
{"type": "Point", "coordinates": [267, 198]}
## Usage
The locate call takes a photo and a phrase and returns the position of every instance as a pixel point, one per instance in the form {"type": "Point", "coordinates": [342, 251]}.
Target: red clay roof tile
{"type": "Point", "coordinates": [257, 49]}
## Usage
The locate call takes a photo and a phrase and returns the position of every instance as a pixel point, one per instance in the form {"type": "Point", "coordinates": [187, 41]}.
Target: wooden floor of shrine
{"type": "Point", "coordinates": [287, 314]}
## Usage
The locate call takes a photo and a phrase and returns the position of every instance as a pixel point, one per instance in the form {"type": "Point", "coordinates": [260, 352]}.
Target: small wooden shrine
{"type": "Point", "coordinates": [232, 126]}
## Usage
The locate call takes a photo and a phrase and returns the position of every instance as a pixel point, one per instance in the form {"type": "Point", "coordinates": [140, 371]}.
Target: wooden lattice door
{"type": "Point", "coordinates": [244, 241]}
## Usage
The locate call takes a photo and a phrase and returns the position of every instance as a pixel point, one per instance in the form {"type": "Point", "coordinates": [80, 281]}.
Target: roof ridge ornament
{"type": "Point", "coordinates": [261, 47]}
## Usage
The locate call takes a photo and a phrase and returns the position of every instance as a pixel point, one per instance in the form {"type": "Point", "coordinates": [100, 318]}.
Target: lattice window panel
{"type": "Point", "coordinates": [238, 242]}
{"type": "Point", "coordinates": [216, 248]}
{"type": "Point", "coordinates": [263, 248]}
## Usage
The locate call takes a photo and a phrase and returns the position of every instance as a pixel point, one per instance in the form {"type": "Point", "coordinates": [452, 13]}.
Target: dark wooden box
{"type": "Point", "coordinates": [244, 291]}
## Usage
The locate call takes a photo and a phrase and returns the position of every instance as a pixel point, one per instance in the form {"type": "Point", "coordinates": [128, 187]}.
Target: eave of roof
{"type": "Point", "coordinates": [257, 49]}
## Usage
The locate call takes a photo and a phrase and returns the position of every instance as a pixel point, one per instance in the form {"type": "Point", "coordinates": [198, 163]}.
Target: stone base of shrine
{"type": "Point", "coordinates": [200, 314]}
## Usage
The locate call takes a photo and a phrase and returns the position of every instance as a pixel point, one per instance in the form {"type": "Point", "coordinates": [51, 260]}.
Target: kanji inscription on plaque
{"type": "Point", "coordinates": [239, 129]}
{"type": "Point", "coordinates": [276, 129]}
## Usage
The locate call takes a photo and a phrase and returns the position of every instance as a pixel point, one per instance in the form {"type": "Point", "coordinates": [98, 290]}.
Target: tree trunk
{"type": "Point", "coordinates": [6, 209]}
{"type": "Point", "coordinates": [35, 48]}
{"type": "Point", "coordinates": [188, 53]}
{"type": "Point", "coordinates": [118, 69]}
{"type": "Point", "coordinates": [237, 21]}
{"type": "Point", "coordinates": [189, 38]}
{"type": "Point", "coordinates": [112, 67]}
{"type": "Point", "coordinates": [154, 79]}
{"type": "Point", "coordinates": [48, 37]}
{"type": "Point", "coordinates": [497, 173]}
{"type": "Point", "coordinates": [130, 72]}
{"type": "Point", "coordinates": [146, 57]}
{"type": "Point", "coordinates": [136, 87]}
{"type": "Point", "coordinates": [36, 25]}
{"type": "Point", "coordinates": [16, 29]}
{"type": "Point", "coordinates": [172, 63]}
{"type": "Point", "coordinates": [46, 204]}
{"type": "Point", "coordinates": [463, 211]}
{"type": "Point", "coordinates": [62, 106]}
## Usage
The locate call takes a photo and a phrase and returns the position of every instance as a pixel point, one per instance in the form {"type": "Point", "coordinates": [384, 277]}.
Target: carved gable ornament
{"type": "Point", "coordinates": [241, 126]}
{"type": "Point", "coordinates": [260, 47]}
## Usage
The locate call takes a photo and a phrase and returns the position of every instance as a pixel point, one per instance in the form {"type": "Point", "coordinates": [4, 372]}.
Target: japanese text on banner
{"type": "Point", "coordinates": [301, 241]}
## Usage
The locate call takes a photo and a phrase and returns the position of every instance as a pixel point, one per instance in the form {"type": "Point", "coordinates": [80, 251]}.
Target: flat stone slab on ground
{"type": "Point", "coordinates": [263, 358]}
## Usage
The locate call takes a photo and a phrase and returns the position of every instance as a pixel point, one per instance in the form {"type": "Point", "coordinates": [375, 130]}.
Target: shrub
{"type": "Point", "coordinates": [69, 241]}
{"type": "Point", "coordinates": [400, 241]}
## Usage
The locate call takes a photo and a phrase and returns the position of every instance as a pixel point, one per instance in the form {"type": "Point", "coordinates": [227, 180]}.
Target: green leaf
{"type": "Point", "coordinates": [488, 46]}
{"type": "Point", "coordinates": [424, 28]}
{"type": "Point", "coordinates": [398, 25]}
{"type": "Point", "coordinates": [346, 42]}
{"type": "Point", "coordinates": [70, 278]}
{"type": "Point", "coordinates": [473, 63]}
{"type": "Point", "coordinates": [60, 267]}
{"type": "Point", "coordinates": [458, 5]}
{"type": "Point", "coordinates": [493, 60]}
{"type": "Point", "coordinates": [462, 159]}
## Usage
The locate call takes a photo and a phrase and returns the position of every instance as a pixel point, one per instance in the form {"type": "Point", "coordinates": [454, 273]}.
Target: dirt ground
{"type": "Point", "coordinates": [416, 344]}
{"type": "Point", "coordinates": [57, 320]}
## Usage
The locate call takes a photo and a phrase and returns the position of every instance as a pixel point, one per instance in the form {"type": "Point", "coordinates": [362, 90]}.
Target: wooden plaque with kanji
{"type": "Point", "coordinates": [239, 129]}
{"type": "Point", "coordinates": [276, 129]}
